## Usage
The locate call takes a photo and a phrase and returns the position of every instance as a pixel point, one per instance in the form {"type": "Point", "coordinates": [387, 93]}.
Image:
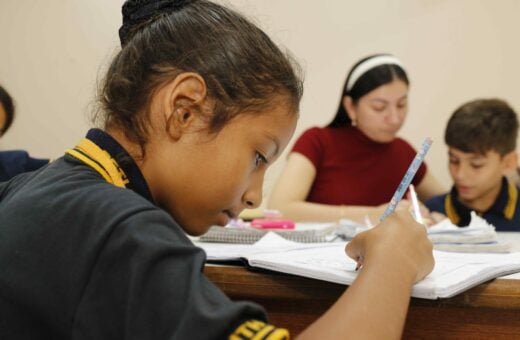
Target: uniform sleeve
{"type": "Point", "coordinates": [310, 145]}
{"type": "Point", "coordinates": [411, 152]}
{"type": "Point", "coordinates": [147, 283]}
{"type": "Point", "coordinates": [16, 162]}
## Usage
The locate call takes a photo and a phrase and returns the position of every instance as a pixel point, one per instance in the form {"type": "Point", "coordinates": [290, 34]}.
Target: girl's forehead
{"type": "Point", "coordinates": [276, 121]}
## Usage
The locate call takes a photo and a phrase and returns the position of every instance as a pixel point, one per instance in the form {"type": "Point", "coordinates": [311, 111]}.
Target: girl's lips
{"type": "Point", "coordinates": [225, 217]}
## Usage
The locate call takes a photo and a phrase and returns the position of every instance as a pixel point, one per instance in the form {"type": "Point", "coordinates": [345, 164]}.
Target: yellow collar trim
{"type": "Point", "coordinates": [101, 161]}
{"type": "Point", "coordinates": [450, 210]}
{"type": "Point", "coordinates": [509, 210]}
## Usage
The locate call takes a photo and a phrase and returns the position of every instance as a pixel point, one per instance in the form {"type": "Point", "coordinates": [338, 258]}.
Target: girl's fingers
{"type": "Point", "coordinates": [356, 247]}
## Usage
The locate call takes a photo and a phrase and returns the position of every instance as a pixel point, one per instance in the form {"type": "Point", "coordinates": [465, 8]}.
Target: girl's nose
{"type": "Point", "coordinates": [253, 195]}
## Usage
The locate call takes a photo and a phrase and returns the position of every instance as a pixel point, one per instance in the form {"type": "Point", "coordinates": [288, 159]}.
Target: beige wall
{"type": "Point", "coordinates": [52, 52]}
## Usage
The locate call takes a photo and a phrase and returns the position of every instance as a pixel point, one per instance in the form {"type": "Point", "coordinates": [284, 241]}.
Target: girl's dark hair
{"type": "Point", "coordinates": [369, 81]}
{"type": "Point", "coordinates": [8, 104]}
{"type": "Point", "coordinates": [243, 69]}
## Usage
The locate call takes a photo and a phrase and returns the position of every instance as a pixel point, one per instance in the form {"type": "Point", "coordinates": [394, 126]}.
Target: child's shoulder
{"type": "Point", "coordinates": [436, 203]}
{"type": "Point", "coordinates": [77, 198]}
{"type": "Point", "coordinates": [74, 191]}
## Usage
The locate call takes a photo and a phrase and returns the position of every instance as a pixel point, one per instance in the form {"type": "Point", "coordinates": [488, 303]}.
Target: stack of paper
{"type": "Point", "coordinates": [479, 236]}
{"type": "Point", "coordinates": [453, 272]}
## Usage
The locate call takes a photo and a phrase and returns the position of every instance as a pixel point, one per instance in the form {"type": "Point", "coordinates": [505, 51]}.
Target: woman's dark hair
{"type": "Point", "coordinates": [369, 81]}
{"type": "Point", "coordinates": [243, 69]}
{"type": "Point", "coordinates": [8, 105]}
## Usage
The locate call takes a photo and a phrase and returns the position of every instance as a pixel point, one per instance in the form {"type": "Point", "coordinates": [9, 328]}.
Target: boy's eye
{"type": "Point", "coordinates": [454, 161]}
{"type": "Point", "coordinates": [259, 158]}
{"type": "Point", "coordinates": [476, 166]}
{"type": "Point", "coordinates": [378, 108]}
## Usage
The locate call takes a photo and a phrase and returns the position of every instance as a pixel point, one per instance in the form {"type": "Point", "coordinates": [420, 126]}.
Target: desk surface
{"type": "Point", "coordinates": [490, 310]}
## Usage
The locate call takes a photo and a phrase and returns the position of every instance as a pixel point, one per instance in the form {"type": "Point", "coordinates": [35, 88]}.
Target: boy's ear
{"type": "Point", "coordinates": [510, 162]}
{"type": "Point", "coordinates": [183, 104]}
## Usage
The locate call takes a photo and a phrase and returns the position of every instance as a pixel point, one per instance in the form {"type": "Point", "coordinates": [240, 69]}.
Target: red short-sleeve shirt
{"type": "Point", "coordinates": [352, 169]}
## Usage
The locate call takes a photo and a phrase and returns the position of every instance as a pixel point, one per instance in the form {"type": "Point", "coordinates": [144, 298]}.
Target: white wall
{"type": "Point", "coordinates": [52, 52]}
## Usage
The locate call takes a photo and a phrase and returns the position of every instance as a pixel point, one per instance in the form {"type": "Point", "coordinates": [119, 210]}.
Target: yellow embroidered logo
{"type": "Point", "coordinates": [258, 330]}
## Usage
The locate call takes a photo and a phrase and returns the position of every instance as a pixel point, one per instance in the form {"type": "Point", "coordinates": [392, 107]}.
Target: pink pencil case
{"type": "Point", "coordinates": [272, 224]}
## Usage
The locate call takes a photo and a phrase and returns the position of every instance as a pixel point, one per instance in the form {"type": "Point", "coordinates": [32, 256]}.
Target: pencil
{"type": "Point", "coordinates": [405, 183]}
{"type": "Point", "coordinates": [407, 179]}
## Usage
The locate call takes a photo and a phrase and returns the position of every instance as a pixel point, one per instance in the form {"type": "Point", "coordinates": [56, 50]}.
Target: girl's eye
{"type": "Point", "coordinates": [259, 158]}
{"type": "Point", "coordinates": [477, 166]}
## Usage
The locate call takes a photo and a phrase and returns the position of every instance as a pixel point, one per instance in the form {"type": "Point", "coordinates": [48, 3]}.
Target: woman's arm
{"type": "Point", "coordinates": [429, 187]}
{"type": "Point", "coordinates": [396, 253]}
{"type": "Point", "coordinates": [293, 186]}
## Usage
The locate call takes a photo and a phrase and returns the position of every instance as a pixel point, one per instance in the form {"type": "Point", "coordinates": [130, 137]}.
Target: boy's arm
{"type": "Point", "coordinates": [396, 254]}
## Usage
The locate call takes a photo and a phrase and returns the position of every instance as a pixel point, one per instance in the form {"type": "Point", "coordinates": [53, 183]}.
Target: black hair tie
{"type": "Point", "coordinates": [138, 11]}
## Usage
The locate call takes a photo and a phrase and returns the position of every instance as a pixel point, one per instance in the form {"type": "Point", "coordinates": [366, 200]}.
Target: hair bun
{"type": "Point", "coordinates": [138, 11]}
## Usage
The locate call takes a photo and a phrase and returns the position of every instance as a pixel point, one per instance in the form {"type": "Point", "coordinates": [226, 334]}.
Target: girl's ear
{"type": "Point", "coordinates": [184, 101]}
{"type": "Point", "coordinates": [349, 106]}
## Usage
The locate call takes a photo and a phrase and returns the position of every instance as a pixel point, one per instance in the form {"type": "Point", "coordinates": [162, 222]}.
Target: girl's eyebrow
{"type": "Point", "coordinates": [275, 141]}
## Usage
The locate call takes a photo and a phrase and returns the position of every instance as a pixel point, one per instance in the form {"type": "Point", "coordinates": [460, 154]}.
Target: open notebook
{"type": "Point", "coordinates": [453, 272]}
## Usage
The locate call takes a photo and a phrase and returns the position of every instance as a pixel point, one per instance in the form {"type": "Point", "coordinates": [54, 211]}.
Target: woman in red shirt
{"type": "Point", "coordinates": [351, 168]}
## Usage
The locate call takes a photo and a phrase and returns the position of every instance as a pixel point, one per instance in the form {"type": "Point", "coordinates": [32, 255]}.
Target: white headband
{"type": "Point", "coordinates": [370, 64]}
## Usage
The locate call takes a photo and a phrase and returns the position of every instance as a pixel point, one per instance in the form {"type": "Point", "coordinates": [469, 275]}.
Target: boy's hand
{"type": "Point", "coordinates": [398, 238]}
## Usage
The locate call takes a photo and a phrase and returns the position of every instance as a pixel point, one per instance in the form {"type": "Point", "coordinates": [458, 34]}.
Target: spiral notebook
{"type": "Point", "coordinates": [303, 233]}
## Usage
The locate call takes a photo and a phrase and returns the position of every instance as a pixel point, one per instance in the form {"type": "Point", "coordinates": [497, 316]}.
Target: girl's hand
{"type": "Point", "coordinates": [400, 238]}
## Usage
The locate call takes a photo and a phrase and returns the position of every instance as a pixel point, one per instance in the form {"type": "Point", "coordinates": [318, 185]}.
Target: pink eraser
{"type": "Point", "coordinates": [272, 224]}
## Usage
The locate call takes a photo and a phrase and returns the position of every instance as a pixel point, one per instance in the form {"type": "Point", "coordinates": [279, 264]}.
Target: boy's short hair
{"type": "Point", "coordinates": [483, 125]}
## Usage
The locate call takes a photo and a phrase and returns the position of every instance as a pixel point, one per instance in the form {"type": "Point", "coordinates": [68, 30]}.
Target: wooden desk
{"type": "Point", "coordinates": [488, 311]}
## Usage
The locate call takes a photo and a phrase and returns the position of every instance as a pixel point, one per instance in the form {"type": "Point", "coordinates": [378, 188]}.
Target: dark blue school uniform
{"type": "Point", "coordinates": [86, 254]}
{"type": "Point", "coordinates": [504, 214]}
{"type": "Point", "coordinates": [15, 162]}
